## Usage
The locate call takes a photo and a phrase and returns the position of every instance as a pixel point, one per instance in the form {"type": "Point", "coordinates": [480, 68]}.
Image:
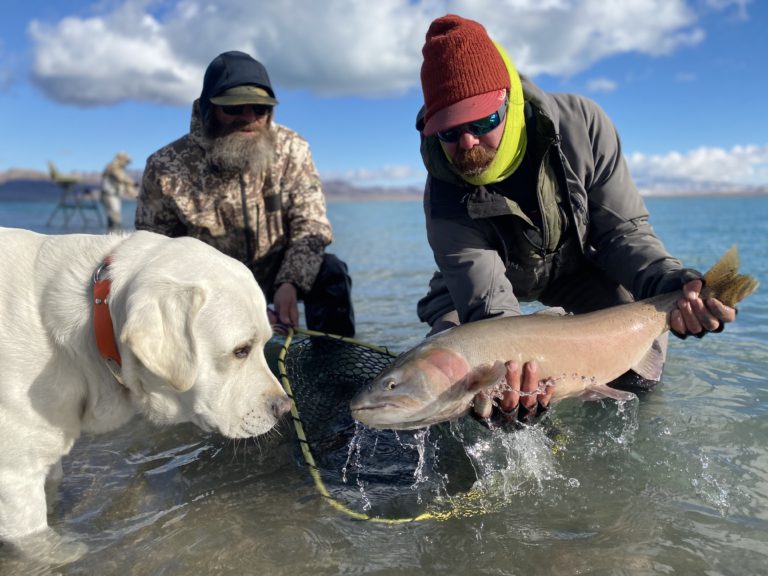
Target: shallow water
{"type": "Point", "coordinates": [675, 482]}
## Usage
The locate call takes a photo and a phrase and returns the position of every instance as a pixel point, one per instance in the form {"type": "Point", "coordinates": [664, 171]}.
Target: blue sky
{"type": "Point", "coordinates": [684, 80]}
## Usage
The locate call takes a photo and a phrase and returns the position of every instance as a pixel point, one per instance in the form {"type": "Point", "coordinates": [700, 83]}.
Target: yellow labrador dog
{"type": "Point", "coordinates": [94, 329]}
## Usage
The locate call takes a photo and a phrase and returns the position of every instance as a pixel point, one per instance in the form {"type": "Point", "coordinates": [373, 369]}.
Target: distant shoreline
{"type": "Point", "coordinates": [30, 186]}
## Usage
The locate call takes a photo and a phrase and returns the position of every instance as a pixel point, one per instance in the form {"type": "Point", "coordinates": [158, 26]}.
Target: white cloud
{"type": "Point", "coordinates": [742, 165]}
{"type": "Point", "coordinates": [400, 174]}
{"type": "Point", "coordinates": [601, 85]}
{"type": "Point", "coordinates": [123, 56]}
{"type": "Point", "coordinates": [739, 5]}
{"type": "Point", "coordinates": [158, 51]}
{"type": "Point", "coordinates": [705, 169]}
{"type": "Point", "coordinates": [563, 38]}
{"type": "Point", "coordinates": [685, 77]}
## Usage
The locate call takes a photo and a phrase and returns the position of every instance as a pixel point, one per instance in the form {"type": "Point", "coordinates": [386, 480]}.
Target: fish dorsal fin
{"type": "Point", "coordinates": [485, 376]}
{"type": "Point", "coordinates": [651, 365]}
{"type": "Point", "coordinates": [603, 391]}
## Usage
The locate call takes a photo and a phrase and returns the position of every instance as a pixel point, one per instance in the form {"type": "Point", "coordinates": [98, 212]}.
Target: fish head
{"type": "Point", "coordinates": [423, 387]}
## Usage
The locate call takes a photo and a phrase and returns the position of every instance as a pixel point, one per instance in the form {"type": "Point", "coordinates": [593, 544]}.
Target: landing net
{"type": "Point", "coordinates": [373, 475]}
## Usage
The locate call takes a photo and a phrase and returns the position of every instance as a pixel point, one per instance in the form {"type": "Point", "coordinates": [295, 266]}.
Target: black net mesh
{"type": "Point", "coordinates": [379, 473]}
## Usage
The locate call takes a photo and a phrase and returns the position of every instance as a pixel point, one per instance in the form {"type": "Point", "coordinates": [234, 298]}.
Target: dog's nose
{"type": "Point", "coordinates": [280, 406]}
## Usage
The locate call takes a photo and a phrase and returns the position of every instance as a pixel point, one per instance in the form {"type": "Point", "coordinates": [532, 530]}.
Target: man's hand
{"type": "Point", "coordinates": [286, 312]}
{"type": "Point", "coordinates": [696, 316]}
{"type": "Point", "coordinates": [523, 398]}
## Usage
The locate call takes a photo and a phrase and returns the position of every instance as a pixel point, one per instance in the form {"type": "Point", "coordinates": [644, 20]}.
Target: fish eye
{"type": "Point", "coordinates": [390, 384]}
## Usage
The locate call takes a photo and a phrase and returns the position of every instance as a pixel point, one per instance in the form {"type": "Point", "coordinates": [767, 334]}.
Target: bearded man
{"type": "Point", "coordinates": [249, 187]}
{"type": "Point", "coordinates": [529, 198]}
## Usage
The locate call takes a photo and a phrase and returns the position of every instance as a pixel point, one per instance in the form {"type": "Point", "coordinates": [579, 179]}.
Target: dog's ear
{"type": "Point", "coordinates": [159, 332]}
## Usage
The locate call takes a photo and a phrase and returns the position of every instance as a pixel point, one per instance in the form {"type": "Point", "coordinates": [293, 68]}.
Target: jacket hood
{"type": "Point", "coordinates": [231, 69]}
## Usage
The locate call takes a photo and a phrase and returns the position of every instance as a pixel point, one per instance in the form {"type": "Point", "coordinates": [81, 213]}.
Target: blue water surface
{"type": "Point", "coordinates": [673, 483]}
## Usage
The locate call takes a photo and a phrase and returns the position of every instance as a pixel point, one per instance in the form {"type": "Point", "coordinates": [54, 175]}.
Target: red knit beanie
{"type": "Point", "coordinates": [460, 62]}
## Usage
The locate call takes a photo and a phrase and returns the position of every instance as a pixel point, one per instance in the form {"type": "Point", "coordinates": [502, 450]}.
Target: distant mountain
{"type": "Point", "coordinates": [30, 185]}
{"type": "Point", "coordinates": [25, 175]}
{"type": "Point", "coordinates": [19, 185]}
{"type": "Point", "coordinates": [680, 187]}
{"type": "Point", "coordinates": [342, 190]}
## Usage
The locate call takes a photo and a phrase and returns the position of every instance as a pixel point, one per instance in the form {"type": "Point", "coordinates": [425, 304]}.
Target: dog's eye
{"type": "Point", "coordinates": [242, 352]}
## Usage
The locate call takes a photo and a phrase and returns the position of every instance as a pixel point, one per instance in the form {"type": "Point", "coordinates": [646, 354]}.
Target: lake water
{"type": "Point", "coordinates": [675, 482]}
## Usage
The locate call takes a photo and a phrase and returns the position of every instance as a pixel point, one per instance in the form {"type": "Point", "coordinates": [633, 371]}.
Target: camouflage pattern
{"type": "Point", "coordinates": [284, 234]}
{"type": "Point", "coordinates": [115, 177]}
{"type": "Point", "coordinates": [115, 183]}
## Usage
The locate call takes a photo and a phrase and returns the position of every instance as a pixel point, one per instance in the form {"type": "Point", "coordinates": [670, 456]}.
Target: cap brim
{"type": "Point", "coordinates": [464, 111]}
{"type": "Point", "coordinates": [237, 100]}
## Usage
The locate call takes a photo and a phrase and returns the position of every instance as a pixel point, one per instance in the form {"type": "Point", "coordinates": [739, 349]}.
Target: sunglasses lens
{"type": "Point", "coordinates": [232, 110]}
{"type": "Point", "coordinates": [258, 110]}
{"type": "Point", "coordinates": [451, 135]}
{"type": "Point", "coordinates": [484, 125]}
{"type": "Point", "coordinates": [476, 128]}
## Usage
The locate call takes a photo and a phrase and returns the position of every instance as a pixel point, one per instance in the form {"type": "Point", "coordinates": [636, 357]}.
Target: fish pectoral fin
{"type": "Point", "coordinates": [485, 376]}
{"type": "Point", "coordinates": [603, 391]}
{"type": "Point", "coordinates": [651, 365]}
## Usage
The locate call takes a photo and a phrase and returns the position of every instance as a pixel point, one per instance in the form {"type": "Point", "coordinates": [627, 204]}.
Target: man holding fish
{"type": "Point", "coordinates": [528, 198]}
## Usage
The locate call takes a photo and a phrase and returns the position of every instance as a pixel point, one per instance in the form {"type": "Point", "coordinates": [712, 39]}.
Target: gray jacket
{"type": "Point", "coordinates": [573, 155]}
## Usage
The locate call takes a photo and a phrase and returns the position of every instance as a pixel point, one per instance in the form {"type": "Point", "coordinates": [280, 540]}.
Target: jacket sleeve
{"type": "Point", "coordinates": [474, 273]}
{"type": "Point", "coordinates": [620, 238]}
{"type": "Point", "coordinates": [309, 230]}
{"type": "Point", "coordinates": [154, 209]}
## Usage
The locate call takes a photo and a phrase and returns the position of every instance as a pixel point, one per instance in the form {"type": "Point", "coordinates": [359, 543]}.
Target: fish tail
{"type": "Point", "coordinates": [724, 282]}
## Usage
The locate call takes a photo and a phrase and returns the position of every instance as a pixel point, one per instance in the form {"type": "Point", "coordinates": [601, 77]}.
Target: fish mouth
{"type": "Point", "coordinates": [387, 424]}
{"type": "Point", "coordinates": [369, 407]}
{"type": "Point", "coordinates": [386, 416]}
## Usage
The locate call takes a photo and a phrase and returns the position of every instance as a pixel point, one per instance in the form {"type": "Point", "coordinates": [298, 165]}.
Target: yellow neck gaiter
{"type": "Point", "coordinates": [511, 149]}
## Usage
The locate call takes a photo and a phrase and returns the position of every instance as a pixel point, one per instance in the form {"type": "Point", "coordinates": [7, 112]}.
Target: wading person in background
{"type": "Point", "coordinates": [528, 198]}
{"type": "Point", "coordinates": [116, 183]}
{"type": "Point", "coordinates": [249, 187]}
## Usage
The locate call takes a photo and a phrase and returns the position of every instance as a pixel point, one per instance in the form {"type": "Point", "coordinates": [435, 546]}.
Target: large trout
{"type": "Point", "coordinates": [437, 380]}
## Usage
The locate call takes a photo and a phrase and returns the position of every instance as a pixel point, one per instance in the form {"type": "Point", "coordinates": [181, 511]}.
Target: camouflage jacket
{"type": "Point", "coordinates": [283, 233]}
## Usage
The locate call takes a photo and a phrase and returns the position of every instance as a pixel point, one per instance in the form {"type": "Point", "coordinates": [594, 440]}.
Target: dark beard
{"type": "Point", "coordinates": [235, 152]}
{"type": "Point", "coordinates": [474, 161]}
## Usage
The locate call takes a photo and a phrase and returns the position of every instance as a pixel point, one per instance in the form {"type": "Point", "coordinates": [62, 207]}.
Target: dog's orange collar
{"type": "Point", "coordinates": [102, 320]}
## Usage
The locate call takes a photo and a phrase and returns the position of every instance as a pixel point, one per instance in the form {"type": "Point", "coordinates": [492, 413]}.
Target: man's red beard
{"type": "Point", "coordinates": [474, 161]}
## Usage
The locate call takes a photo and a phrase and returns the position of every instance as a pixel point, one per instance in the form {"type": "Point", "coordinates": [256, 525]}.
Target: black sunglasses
{"type": "Point", "coordinates": [476, 127]}
{"type": "Point", "coordinates": [237, 110]}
